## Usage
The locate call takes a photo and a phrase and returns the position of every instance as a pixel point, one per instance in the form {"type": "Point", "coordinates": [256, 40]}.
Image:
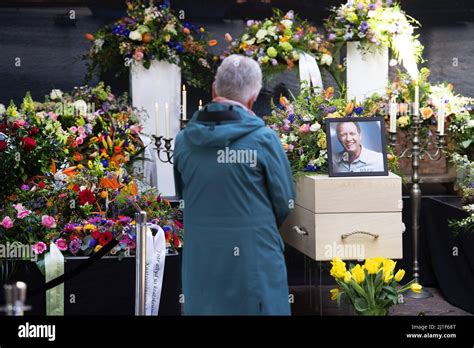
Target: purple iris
{"type": "Point", "coordinates": [372, 7]}
{"type": "Point", "coordinates": [310, 168]}
{"type": "Point", "coordinates": [291, 117]}
{"type": "Point", "coordinates": [359, 110]}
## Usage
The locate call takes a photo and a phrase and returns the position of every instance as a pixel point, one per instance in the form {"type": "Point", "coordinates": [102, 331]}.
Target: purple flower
{"type": "Point", "coordinates": [359, 110]}
{"type": "Point", "coordinates": [310, 168]}
{"type": "Point", "coordinates": [24, 187]}
{"type": "Point", "coordinates": [372, 7]}
{"type": "Point", "coordinates": [75, 246]}
{"type": "Point", "coordinates": [364, 26]}
{"type": "Point", "coordinates": [274, 62]}
{"type": "Point", "coordinates": [300, 151]}
{"type": "Point", "coordinates": [332, 37]}
{"type": "Point", "coordinates": [250, 22]}
{"type": "Point", "coordinates": [92, 243]}
{"type": "Point", "coordinates": [291, 147]}
{"type": "Point", "coordinates": [69, 228]}
{"type": "Point", "coordinates": [389, 2]}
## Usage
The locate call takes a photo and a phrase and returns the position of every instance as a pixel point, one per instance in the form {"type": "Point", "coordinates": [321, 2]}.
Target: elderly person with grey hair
{"type": "Point", "coordinates": [235, 181]}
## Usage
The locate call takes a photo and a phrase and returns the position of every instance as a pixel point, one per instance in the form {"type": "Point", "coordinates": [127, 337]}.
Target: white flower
{"type": "Point", "coordinates": [81, 106]}
{"type": "Point", "coordinates": [135, 35]}
{"type": "Point", "coordinates": [315, 127]}
{"type": "Point", "coordinates": [469, 124]}
{"type": "Point", "coordinates": [261, 34]}
{"type": "Point", "coordinates": [56, 94]}
{"type": "Point", "coordinates": [326, 59]}
{"type": "Point", "coordinates": [2, 109]}
{"type": "Point", "coordinates": [272, 30]}
{"type": "Point", "coordinates": [287, 23]}
{"type": "Point", "coordinates": [308, 117]}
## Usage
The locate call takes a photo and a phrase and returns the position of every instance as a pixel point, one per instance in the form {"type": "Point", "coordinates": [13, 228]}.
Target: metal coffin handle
{"type": "Point", "coordinates": [347, 235]}
{"type": "Point", "coordinates": [300, 231]}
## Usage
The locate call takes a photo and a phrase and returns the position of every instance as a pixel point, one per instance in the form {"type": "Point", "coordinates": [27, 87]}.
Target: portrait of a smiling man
{"type": "Point", "coordinates": [356, 147]}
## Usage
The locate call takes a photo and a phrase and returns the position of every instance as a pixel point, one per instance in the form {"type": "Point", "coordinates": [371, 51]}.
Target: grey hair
{"type": "Point", "coordinates": [238, 78]}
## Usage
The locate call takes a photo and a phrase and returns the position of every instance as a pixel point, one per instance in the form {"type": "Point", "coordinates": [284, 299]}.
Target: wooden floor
{"type": "Point", "coordinates": [308, 298]}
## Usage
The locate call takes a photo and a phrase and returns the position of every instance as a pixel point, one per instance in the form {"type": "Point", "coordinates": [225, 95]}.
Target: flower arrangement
{"type": "Point", "coordinates": [84, 192]}
{"type": "Point", "coordinates": [151, 32]}
{"type": "Point", "coordinates": [300, 125]}
{"type": "Point", "coordinates": [376, 23]}
{"type": "Point", "coordinates": [276, 43]}
{"type": "Point", "coordinates": [371, 288]}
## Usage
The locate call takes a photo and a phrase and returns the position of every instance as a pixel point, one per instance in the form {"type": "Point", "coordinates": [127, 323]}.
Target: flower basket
{"type": "Point", "coordinates": [367, 71]}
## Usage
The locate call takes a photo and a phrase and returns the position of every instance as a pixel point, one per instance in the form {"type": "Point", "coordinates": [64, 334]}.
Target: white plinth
{"type": "Point", "coordinates": [367, 72]}
{"type": "Point", "coordinates": [161, 84]}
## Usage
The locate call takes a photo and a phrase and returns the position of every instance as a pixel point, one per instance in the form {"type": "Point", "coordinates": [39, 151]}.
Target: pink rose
{"type": "Point", "coordinates": [73, 129]}
{"type": "Point", "coordinates": [61, 244]}
{"type": "Point", "coordinates": [81, 130]}
{"type": "Point", "coordinates": [7, 223]}
{"type": "Point", "coordinates": [80, 141]}
{"type": "Point", "coordinates": [39, 248]}
{"type": "Point", "coordinates": [22, 211]}
{"type": "Point", "coordinates": [53, 116]}
{"type": "Point", "coordinates": [305, 128]}
{"type": "Point", "coordinates": [62, 195]}
{"type": "Point", "coordinates": [48, 221]}
{"type": "Point", "coordinates": [138, 56]}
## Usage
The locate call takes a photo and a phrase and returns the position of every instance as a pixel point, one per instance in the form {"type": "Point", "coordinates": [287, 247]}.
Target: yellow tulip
{"type": "Point", "coordinates": [347, 277]}
{"type": "Point", "coordinates": [387, 275]}
{"type": "Point", "coordinates": [416, 288]}
{"type": "Point", "coordinates": [338, 268]}
{"type": "Point", "coordinates": [399, 275]}
{"type": "Point", "coordinates": [389, 264]}
{"type": "Point", "coordinates": [372, 266]}
{"type": "Point", "coordinates": [334, 293]}
{"type": "Point", "coordinates": [358, 274]}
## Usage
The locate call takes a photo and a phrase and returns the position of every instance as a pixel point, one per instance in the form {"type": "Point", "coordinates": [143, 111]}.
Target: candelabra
{"type": "Point", "coordinates": [166, 148]}
{"type": "Point", "coordinates": [416, 152]}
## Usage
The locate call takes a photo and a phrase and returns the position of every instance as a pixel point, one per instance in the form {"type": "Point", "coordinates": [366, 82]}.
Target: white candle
{"type": "Point", "coordinates": [167, 121]}
{"type": "Point", "coordinates": [157, 120]}
{"type": "Point", "coordinates": [441, 118]}
{"type": "Point", "coordinates": [184, 97]}
{"type": "Point", "coordinates": [416, 110]}
{"type": "Point", "coordinates": [393, 116]}
{"type": "Point", "coordinates": [200, 104]}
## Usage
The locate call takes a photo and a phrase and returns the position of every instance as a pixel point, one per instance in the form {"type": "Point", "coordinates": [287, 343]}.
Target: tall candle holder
{"type": "Point", "coordinates": [417, 152]}
{"type": "Point", "coordinates": [166, 149]}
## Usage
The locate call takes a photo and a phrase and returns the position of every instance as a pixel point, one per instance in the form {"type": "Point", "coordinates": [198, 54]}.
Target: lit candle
{"type": "Point", "coordinates": [167, 121]}
{"type": "Point", "coordinates": [184, 102]}
{"type": "Point", "coordinates": [393, 116]}
{"type": "Point", "coordinates": [441, 118]}
{"type": "Point", "coordinates": [200, 104]}
{"type": "Point", "coordinates": [157, 121]}
{"type": "Point", "coordinates": [416, 110]}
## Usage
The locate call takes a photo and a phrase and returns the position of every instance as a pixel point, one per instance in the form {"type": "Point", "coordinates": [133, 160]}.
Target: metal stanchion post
{"type": "Point", "coordinates": [140, 260]}
{"type": "Point", "coordinates": [15, 297]}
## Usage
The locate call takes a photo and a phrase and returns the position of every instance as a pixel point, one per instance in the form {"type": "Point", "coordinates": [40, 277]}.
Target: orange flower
{"type": "Point", "coordinates": [89, 37]}
{"type": "Point", "coordinates": [168, 236]}
{"type": "Point", "coordinates": [284, 39]}
{"type": "Point", "coordinates": [284, 101]}
{"type": "Point", "coordinates": [103, 194]}
{"type": "Point", "coordinates": [77, 157]}
{"type": "Point", "coordinates": [349, 108]}
{"type": "Point", "coordinates": [426, 113]}
{"type": "Point", "coordinates": [186, 31]}
{"type": "Point", "coordinates": [212, 43]}
{"type": "Point", "coordinates": [329, 93]}
{"type": "Point", "coordinates": [118, 149]}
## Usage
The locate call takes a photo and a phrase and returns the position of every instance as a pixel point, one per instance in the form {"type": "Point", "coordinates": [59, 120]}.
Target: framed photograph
{"type": "Point", "coordinates": [356, 146]}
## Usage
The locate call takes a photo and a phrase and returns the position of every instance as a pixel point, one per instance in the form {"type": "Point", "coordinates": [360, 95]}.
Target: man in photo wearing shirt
{"type": "Point", "coordinates": [355, 157]}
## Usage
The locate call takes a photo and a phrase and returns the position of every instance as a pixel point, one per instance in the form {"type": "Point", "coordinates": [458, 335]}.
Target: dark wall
{"type": "Point", "coordinates": [50, 47]}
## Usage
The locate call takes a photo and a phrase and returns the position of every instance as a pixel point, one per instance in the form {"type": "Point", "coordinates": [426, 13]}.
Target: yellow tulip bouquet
{"type": "Point", "coordinates": [371, 288]}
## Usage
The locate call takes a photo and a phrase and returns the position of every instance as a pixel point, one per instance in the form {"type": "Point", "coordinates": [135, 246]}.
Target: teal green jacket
{"type": "Point", "coordinates": [237, 189]}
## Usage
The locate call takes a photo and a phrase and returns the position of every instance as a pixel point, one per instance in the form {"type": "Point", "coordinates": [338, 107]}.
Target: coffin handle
{"type": "Point", "coordinates": [347, 235]}
{"type": "Point", "coordinates": [300, 231]}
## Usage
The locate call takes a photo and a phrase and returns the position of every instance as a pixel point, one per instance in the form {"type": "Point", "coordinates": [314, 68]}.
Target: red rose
{"type": "Point", "coordinates": [95, 234]}
{"type": "Point", "coordinates": [29, 144]}
{"type": "Point", "coordinates": [3, 145]}
{"type": "Point", "coordinates": [76, 188]}
{"type": "Point", "coordinates": [105, 238]}
{"type": "Point", "coordinates": [34, 131]}
{"type": "Point", "coordinates": [3, 127]}
{"type": "Point", "coordinates": [86, 196]}
{"type": "Point", "coordinates": [176, 241]}
{"type": "Point", "coordinates": [41, 185]}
